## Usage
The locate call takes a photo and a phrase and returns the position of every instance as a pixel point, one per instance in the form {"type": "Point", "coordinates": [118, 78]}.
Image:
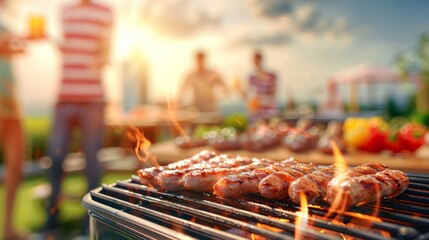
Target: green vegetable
{"type": "Point", "coordinates": [239, 121]}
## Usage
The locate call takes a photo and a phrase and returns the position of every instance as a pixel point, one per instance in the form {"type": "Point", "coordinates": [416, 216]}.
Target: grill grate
{"type": "Point", "coordinates": [205, 216]}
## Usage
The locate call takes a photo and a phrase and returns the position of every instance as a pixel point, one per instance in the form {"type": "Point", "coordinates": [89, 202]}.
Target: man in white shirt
{"type": "Point", "coordinates": [203, 83]}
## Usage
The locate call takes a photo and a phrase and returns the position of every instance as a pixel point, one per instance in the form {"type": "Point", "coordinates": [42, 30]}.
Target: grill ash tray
{"type": "Point", "coordinates": [131, 210]}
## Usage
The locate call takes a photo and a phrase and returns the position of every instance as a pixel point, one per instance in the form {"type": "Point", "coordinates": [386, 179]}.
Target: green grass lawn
{"type": "Point", "coordinates": [30, 211]}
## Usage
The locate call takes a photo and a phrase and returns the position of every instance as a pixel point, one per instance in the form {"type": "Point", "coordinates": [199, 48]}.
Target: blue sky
{"type": "Point", "coordinates": [393, 22]}
{"type": "Point", "coordinates": [304, 41]}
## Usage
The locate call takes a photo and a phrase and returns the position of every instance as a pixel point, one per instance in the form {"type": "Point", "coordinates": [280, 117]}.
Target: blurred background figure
{"type": "Point", "coordinates": [87, 30]}
{"type": "Point", "coordinates": [11, 130]}
{"type": "Point", "coordinates": [203, 83]}
{"type": "Point", "coordinates": [261, 93]}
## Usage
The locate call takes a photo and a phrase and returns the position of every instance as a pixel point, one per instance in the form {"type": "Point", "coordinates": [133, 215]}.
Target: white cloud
{"type": "Point", "coordinates": [296, 20]}
{"type": "Point", "coordinates": [176, 18]}
{"type": "Point", "coordinates": [271, 8]}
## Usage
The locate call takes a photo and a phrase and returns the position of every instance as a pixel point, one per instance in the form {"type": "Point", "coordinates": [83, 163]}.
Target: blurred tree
{"type": "Point", "coordinates": [411, 107]}
{"type": "Point", "coordinates": [391, 110]}
{"type": "Point", "coordinates": [415, 66]}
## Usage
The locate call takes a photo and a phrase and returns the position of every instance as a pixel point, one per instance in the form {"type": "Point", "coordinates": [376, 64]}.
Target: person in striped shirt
{"type": "Point", "coordinates": [87, 28]}
{"type": "Point", "coordinates": [261, 92]}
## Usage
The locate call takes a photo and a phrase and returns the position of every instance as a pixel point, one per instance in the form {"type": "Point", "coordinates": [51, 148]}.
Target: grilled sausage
{"type": "Point", "coordinates": [148, 175]}
{"type": "Point", "coordinates": [247, 182]}
{"type": "Point", "coordinates": [313, 185]}
{"type": "Point", "coordinates": [204, 179]}
{"type": "Point", "coordinates": [365, 169]}
{"type": "Point", "coordinates": [367, 188]}
{"type": "Point", "coordinates": [169, 180]}
{"type": "Point", "coordinates": [276, 185]}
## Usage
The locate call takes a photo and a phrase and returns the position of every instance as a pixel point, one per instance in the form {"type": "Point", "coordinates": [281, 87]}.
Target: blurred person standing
{"type": "Point", "coordinates": [261, 92]}
{"type": "Point", "coordinates": [203, 83]}
{"type": "Point", "coordinates": [87, 31]}
{"type": "Point", "coordinates": [11, 129]}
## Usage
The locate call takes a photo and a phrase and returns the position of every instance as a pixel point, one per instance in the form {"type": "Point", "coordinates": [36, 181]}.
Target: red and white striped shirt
{"type": "Point", "coordinates": [86, 29]}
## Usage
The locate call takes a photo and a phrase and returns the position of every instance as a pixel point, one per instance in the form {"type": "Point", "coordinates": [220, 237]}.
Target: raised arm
{"type": "Point", "coordinates": [10, 45]}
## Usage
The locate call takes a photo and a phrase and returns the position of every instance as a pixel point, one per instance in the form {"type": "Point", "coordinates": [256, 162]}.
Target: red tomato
{"type": "Point", "coordinates": [412, 136]}
{"type": "Point", "coordinates": [375, 142]}
{"type": "Point", "coordinates": [393, 142]}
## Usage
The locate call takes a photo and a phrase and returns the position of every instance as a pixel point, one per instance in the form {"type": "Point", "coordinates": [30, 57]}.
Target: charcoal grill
{"type": "Point", "coordinates": [130, 210]}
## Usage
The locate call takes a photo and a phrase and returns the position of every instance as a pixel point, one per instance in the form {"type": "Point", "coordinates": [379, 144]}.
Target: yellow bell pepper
{"type": "Point", "coordinates": [356, 132]}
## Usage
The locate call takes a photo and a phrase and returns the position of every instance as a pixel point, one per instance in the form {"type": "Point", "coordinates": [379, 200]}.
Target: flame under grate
{"type": "Point", "coordinates": [204, 216]}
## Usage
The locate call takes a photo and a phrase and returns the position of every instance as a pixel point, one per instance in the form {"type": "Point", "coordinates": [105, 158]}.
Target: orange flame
{"type": "Point", "coordinates": [142, 148]}
{"type": "Point", "coordinates": [340, 163]}
{"type": "Point", "coordinates": [253, 237]}
{"type": "Point", "coordinates": [339, 204]}
{"type": "Point", "coordinates": [268, 227]}
{"type": "Point", "coordinates": [362, 221]}
{"type": "Point", "coordinates": [377, 200]}
{"type": "Point", "coordinates": [334, 233]}
{"type": "Point", "coordinates": [340, 167]}
{"type": "Point", "coordinates": [301, 217]}
{"type": "Point", "coordinates": [274, 229]}
{"type": "Point", "coordinates": [363, 216]}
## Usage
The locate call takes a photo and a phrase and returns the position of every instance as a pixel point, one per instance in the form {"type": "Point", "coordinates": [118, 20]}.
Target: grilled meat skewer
{"type": "Point", "coordinates": [169, 179]}
{"type": "Point", "coordinates": [247, 182]}
{"type": "Point", "coordinates": [276, 185]}
{"type": "Point", "coordinates": [367, 188]}
{"type": "Point", "coordinates": [148, 175]}
{"type": "Point", "coordinates": [365, 169]}
{"type": "Point", "coordinates": [204, 179]}
{"type": "Point", "coordinates": [313, 185]}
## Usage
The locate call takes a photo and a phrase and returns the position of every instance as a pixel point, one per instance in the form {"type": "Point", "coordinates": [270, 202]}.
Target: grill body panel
{"type": "Point", "coordinates": [107, 222]}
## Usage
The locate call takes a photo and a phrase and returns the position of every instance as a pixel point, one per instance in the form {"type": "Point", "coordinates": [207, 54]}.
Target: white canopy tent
{"type": "Point", "coordinates": [362, 74]}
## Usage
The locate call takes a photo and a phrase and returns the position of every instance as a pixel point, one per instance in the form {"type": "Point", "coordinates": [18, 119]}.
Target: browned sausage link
{"type": "Point", "coordinates": [367, 188]}
{"type": "Point", "coordinates": [148, 175]}
{"type": "Point", "coordinates": [204, 179]}
{"type": "Point", "coordinates": [312, 185]}
{"type": "Point", "coordinates": [365, 169]}
{"type": "Point", "coordinates": [169, 180]}
{"type": "Point", "coordinates": [276, 185]}
{"type": "Point", "coordinates": [247, 182]}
